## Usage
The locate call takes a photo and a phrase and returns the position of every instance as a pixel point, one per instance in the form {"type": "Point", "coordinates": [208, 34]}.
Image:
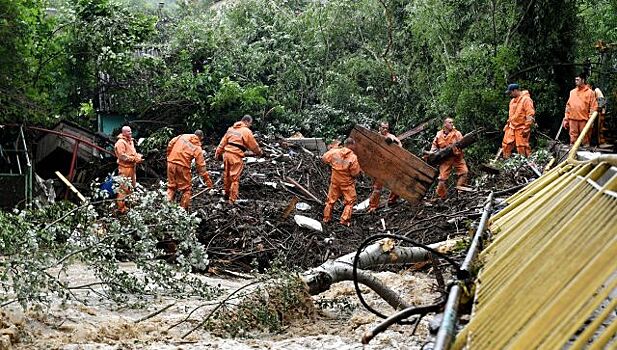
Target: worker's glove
{"type": "Point", "coordinates": [389, 140]}
{"type": "Point", "coordinates": [525, 133]}
{"type": "Point", "coordinates": [139, 158]}
{"type": "Point", "coordinates": [565, 124]}
{"type": "Point", "coordinates": [208, 180]}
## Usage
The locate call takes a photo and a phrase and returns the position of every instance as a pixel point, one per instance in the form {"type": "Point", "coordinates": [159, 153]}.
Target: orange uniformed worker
{"type": "Point", "coordinates": [128, 158]}
{"type": "Point", "coordinates": [236, 141]}
{"type": "Point", "coordinates": [345, 168]}
{"type": "Point", "coordinates": [581, 104]}
{"type": "Point", "coordinates": [384, 130]}
{"type": "Point", "coordinates": [601, 112]}
{"type": "Point", "coordinates": [447, 137]}
{"type": "Point", "coordinates": [181, 151]}
{"type": "Point", "coordinates": [521, 116]}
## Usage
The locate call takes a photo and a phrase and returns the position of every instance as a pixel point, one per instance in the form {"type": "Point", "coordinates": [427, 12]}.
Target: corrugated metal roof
{"type": "Point", "coordinates": [549, 277]}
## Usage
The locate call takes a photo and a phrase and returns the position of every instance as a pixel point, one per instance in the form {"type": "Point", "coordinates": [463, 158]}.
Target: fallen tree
{"type": "Point", "coordinates": [382, 253]}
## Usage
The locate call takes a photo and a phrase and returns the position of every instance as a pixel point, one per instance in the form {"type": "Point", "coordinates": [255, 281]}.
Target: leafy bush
{"type": "Point", "coordinates": [39, 244]}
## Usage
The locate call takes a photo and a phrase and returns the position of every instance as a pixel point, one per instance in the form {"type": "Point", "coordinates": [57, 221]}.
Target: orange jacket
{"type": "Point", "coordinates": [238, 135]}
{"type": "Point", "coordinates": [125, 152]}
{"type": "Point", "coordinates": [183, 149]}
{"type": "Point", "coordinates": [521, 112]}
{"type": "Point", "coordinates": [581, 104]}
{"type": "Point", "coordinates": [344, 163]}
{"type": "Point", "coordinates": [442, 140]}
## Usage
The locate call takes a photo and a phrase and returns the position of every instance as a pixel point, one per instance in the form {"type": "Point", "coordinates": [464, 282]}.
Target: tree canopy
{"type": "Point", "coordinates": [317, 67]}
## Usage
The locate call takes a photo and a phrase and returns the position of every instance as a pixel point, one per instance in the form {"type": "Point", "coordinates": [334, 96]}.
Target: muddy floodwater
{"type": "Point", "coordinates": [101, 324]}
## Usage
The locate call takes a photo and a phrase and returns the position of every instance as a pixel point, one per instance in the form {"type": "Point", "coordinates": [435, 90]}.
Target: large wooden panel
{"type": "Point", "coordinates": [398, 169]}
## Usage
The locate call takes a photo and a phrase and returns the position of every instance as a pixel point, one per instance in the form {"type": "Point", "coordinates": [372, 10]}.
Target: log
{"type": "Point", "coordinates": [467, 140]}
{"type": "Point", "coordinates": [398, 169]}
{"type": "Point", "coordinates": [320, 279]}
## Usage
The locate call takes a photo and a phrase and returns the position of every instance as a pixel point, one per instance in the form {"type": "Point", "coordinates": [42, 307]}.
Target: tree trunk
{"type": "Point", "coordinates": [467, 140]}
{"type": "Point", "coordinates": [320, 279]}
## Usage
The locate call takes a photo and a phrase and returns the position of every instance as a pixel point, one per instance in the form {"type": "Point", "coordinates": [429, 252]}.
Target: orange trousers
{"type": "Point", "coordinates": [445, 168]}
{"type": "Point", "coordinates": [231, 175]}
{"type": "Point", "coordinates": [179, 179]}
{"type": "Point", "coordinates": [376, 195]}
{"type": "Point", "coordinates": [515, 137]}
{"type": "Point", "coordinates": [575, 129]}
{"type": "Point", "coordinates": [601, 119]}
{"type": "Point", "coordinates": [129, 174]}
{"type": "Point", "coordinates": [336, 190]}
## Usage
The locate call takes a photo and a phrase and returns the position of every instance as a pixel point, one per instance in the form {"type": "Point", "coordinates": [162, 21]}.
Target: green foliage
{"type": "Point", "coordinates": [158, 140]}
{"type": "Point", "coordinates": [314, 67]}
{"type": "Point", "coordinates": [270, 307]}
{"type": "Point", "coordinates": [39, 244]}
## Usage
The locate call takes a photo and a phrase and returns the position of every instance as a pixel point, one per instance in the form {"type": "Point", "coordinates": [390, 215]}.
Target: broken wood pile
{"type": "Point", "coordinates": [290, 182]}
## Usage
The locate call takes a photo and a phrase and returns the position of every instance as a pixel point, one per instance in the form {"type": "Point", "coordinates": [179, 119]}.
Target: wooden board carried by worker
{"type": "Point", "coordinates": [399, 170]}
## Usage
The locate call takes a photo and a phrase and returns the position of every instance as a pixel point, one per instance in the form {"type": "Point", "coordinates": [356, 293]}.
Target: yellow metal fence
{"type": "Point", "coordinates": [551, 265]}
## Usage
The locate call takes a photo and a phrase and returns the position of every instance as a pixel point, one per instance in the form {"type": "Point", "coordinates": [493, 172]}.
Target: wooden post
{"type": "Point", "coordinates": [71, 187]}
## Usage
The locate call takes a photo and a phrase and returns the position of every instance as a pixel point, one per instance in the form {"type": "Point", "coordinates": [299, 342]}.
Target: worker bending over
{"type": "Point", "coordinates": [521, 116]}
{"type": "Point", "coordinates": [345, 168]}
{"type": "Point", "coordinates": [238, 139]}
{"type": "Point", "coordinates": [181, 151]}
{"type": "Point", "coordinates": [384, 130]}
{"type": "Point", "coordinates": [445, 138]}
{"type": "Point", "coordinates": [128, 158]}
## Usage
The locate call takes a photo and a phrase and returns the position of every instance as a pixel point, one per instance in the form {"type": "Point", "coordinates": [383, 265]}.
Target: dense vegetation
{"type": "Point", "coordinates": [298, 65]}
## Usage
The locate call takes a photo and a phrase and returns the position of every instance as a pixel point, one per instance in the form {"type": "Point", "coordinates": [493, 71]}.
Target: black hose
{"type": "Point", "coordinates": [459, 273]}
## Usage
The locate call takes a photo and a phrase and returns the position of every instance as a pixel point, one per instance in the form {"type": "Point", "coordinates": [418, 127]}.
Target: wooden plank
{"type": "Point", "coordinates": [313, 144]}
{"type": "Point", "coordinates": [418, 129]}
{"type": "Point", "coordinates": [70, 186]}
{"type": "Point", "coordinates": [398, 169]}
{"type": "Point", "coordinates": [423, 171]}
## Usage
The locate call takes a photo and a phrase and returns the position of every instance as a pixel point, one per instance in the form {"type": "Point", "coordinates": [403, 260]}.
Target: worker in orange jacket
{"type": "Point", "coordinates": [181, 151]}
{"type": "Point", "coordinates": [128, 158]}
{"type": "Point", "coordinates": [236, 141]}
{"type": "Point", "coordinates": [345, 168]}
{"type": "Point", "coordinates": [581, 104]}
{"type": "Point", "coordinates": [521, 116]}
{"type": "Point", "coordinates": [601, 113]}
{"type": "Point", "coordinates": [384, 130]}
{"type": "Point", "coordinates": [447, 137]}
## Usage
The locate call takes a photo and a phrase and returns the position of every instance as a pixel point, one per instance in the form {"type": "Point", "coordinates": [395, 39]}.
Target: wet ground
{"type": "Point", "coordinates": [103, 325]}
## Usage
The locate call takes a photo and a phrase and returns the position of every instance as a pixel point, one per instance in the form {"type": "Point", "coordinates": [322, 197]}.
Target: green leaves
{"type": "Point", "coordinates": [38, 244]}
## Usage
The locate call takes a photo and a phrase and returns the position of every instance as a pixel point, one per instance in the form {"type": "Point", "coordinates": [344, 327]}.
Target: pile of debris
{"type": "Point", "coordinates": [280, 208]}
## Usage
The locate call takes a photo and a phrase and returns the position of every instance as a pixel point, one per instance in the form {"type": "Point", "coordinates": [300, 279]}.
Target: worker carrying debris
{"type": "Point", "coordinates": [445, 138]}
{"type": "Point", "coordinates": [581, 104]}
{"type": "Point", "coordinates": [128, 158]}
{"type": "Point", "coordinates": [238, 139]}
{"type": "Point", "coordinates": [181, 151]}
{"type": "Point", "coordinates": [384, 130]}
{"type": "Point", "coordinates": [345, 168]}
{"type": "Point", "coordinates": [521, 116]}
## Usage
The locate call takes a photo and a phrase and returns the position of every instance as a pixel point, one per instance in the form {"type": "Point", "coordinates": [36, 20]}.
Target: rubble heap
{"type": "Point", "coordinates": [291, 181]}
